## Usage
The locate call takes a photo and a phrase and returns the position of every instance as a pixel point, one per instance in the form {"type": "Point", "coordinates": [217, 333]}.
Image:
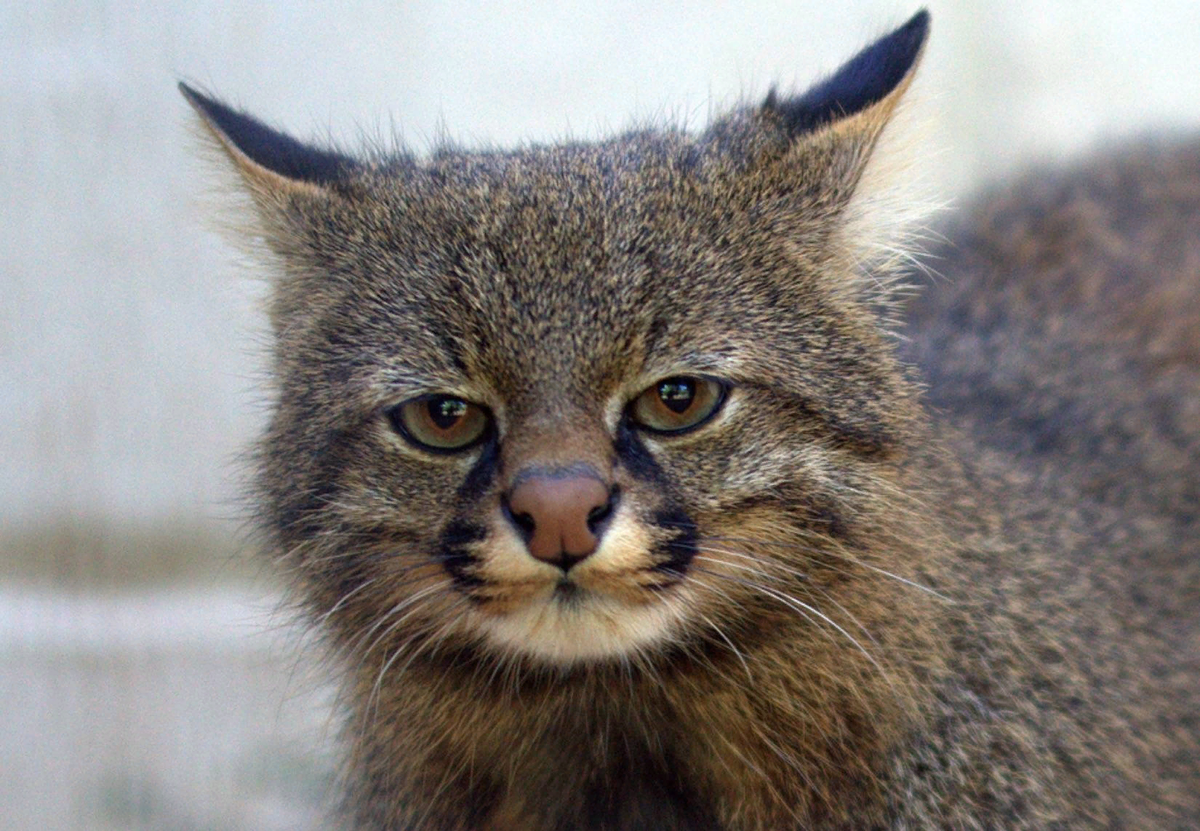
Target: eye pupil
{"type": "Point", "coordinates": [446, 412]}
{"type": "Point", "coordinates": [440, 423]}
{"type": "Point", "coordinates": [677, 394]}
{"type": "Point", "coordinates": [677, 404]}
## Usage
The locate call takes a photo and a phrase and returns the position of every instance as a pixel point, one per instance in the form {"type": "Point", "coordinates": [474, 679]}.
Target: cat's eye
{"type": "Point", "coordinates": [678, 404]}
{"type": "Point", "coordinates": [440, 423]}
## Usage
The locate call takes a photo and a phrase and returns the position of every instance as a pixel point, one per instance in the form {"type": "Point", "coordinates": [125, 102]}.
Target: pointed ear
{"type": "Point", "coordinates": [863, 91]}
{"type": "Point", "coordinates": [831, 129]}
{"type": "Point", "coordinates": [275, 166]}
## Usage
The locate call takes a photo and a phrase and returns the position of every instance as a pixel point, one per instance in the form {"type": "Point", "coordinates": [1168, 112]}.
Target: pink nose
{"type": "Point", "coordinates": [560, 517]}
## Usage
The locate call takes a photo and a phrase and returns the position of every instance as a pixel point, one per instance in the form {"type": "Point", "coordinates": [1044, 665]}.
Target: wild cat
{"type": "Point", "coordinates": [630, 495]}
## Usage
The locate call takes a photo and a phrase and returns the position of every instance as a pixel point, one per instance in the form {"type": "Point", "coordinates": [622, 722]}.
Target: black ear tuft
{"type": "Point", "coordinates": [862, 81]}
{"type": "Point", "coordinates": [275, 151]}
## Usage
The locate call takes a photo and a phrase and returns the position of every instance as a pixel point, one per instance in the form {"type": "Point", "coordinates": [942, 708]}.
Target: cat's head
{"type": "Point", "coordinates": [583, 402]}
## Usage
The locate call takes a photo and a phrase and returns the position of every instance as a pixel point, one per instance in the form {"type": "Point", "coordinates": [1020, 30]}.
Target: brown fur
{"type": "Point", "coordinates": [973, 611]}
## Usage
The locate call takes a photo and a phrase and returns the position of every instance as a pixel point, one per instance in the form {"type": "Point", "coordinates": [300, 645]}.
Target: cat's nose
{"type": "Point", "coordinates": [560, 515]}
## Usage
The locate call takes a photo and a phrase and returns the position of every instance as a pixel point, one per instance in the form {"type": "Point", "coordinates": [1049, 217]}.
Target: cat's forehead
{"type": "Point", "coordinates": [565, 255]}
{"type": "Point", "coordinates": [619, 222]}
{"type": "Point", "coordinates": [541, 200]}
{"type": "Point", "coordinates": [569, 167]}
{"type": "Point", "coordinates": [546, 229]}
{"type": "Point", "coordinates": [585, 264]}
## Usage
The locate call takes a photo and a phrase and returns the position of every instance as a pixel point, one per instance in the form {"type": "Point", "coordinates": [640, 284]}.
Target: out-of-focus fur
{"type": "Point", "coordinates": [845, 602]}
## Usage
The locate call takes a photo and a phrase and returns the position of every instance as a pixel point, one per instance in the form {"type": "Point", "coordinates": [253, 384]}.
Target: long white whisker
{"type": "Point", "coordinates": [426, 642]}
{"type": "Point", "coordinates": [412, 599]}
{"type": "Point", "coordinates": [791, 601]}
{"type": "Point", "coordinates": [836, 552]}
{"type": "Point", "coordinates": [343, 600]}
{"type": "Point", "coordinates": [721, 633]}
{"type": "Point", "coordinates": [759, 567]}
{"type": "Point", "coordinates": [846, 612]}
{"type": "Point", "coordinates": [807, 610]}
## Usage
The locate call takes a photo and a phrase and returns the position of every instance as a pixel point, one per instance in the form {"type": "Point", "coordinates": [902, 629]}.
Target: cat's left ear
{"type": "Point", "coordinates": [829, 131]}
{"type": "Point", "coordinates": [862, 94]}
{"type": "Point", "coordinates": [276, 168]}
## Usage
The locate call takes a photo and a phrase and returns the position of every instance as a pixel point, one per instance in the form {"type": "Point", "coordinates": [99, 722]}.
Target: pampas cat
{"type": "Point", "coordinates": [606, 478]}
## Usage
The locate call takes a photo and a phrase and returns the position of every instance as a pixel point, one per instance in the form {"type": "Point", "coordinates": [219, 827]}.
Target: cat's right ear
{"type": "Point", "coordinates": [276, 167]}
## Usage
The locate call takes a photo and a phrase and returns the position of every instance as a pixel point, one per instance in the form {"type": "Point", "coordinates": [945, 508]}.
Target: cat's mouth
{"type": "Point", "coordinates": [592, 616]}
{"type": "Point", "coordinates": [568, 592]}
{"type": "Point", "coordinates": [572, 625]}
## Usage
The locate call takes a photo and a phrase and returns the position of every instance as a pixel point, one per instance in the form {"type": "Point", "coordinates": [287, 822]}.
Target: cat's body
{"type": "Point", "coordinates": [599, 470]}
{"type": "Point", "coordinates": [1063, 353]}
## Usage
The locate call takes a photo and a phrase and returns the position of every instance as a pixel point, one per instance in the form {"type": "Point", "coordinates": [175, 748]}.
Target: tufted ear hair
{"type": "Point", "coordinates": [274, 165]}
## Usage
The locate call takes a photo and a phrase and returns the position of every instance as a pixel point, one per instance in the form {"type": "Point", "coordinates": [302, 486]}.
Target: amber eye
{"type": "Point", "coordinates": [678, 403]}
{"type": "Point", "coordinates": [441, 423]}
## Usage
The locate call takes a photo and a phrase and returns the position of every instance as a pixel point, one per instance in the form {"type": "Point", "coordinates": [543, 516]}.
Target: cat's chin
{"type": "Point", "coordinates": [571, 625]}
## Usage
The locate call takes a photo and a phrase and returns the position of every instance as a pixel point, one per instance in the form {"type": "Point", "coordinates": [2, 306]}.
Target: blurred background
{"type": "Point", "coordinates": [147, 678]}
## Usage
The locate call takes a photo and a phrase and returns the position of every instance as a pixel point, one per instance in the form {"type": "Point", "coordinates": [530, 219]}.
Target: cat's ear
{"type": "Point", "coordinates": [277, 168]}
{"type": "Point", "coordinates": [819, 142]}
{"type": "Point", "coordinates": [859, 98]}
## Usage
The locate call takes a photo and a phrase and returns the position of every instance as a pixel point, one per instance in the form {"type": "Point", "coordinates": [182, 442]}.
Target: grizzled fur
{"type": "Point", "coordinates": [1065, 350]}
{"type": "Point", "coordinates": [833, 605]}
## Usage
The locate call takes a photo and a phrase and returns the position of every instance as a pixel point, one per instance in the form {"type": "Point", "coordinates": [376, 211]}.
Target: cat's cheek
{"type": "Point", "coordinates": [623, 551]}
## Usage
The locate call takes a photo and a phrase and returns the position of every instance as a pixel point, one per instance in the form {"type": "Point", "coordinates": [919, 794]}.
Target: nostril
{"type": "Point", "coordinates": [524, 522]}
{"type": "Point", "coordinates": [600, 513]}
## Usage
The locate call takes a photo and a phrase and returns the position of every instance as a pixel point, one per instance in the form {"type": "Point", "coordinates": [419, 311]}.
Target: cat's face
{"type": "Point", "coordinates": [584, 403]}
{"type": "Point", "coordinates": [569, 407]}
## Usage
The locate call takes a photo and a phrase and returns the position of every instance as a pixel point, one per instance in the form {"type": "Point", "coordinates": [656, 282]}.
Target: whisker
{"type": "Point", "coordinates": [321, 621]}
{"type": "Point", "coordinates": [806, 610]}
{"type": "Point", "coordinates": [846, 612]}
{"type": "Point", "coordinates": [412, 599]}
{"type": "Point", "coordinates": [834, 550]}
{"type": "Point", "coordinates": [760, 566]}
{"type": "Point", "coordinates": [737, 652]}
{"type": "Point", "coordinates": [757, 587]}
{"type": "Point", "coordinates": [427, 641]}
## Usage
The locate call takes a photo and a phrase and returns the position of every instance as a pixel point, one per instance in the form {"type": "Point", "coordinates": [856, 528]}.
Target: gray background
{"type": "Point", "coordinates": [146, 681]}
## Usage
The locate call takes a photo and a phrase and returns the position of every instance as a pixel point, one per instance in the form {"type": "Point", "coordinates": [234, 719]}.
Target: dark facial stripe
{"type": "Point", "coordinates": [679, 548]}
{"type": "Point", "coordinates": [634, 456]}
{"type": "Point", "coordinates": [454, 353]}
{"type": "Point", "coordinates": [482, 474]}
{"type": "Point", "coordinates": [454, 552]}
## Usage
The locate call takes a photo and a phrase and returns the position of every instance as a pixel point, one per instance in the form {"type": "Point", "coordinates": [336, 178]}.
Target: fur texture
{"type": "Point", "coordinates": [824, 602]}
